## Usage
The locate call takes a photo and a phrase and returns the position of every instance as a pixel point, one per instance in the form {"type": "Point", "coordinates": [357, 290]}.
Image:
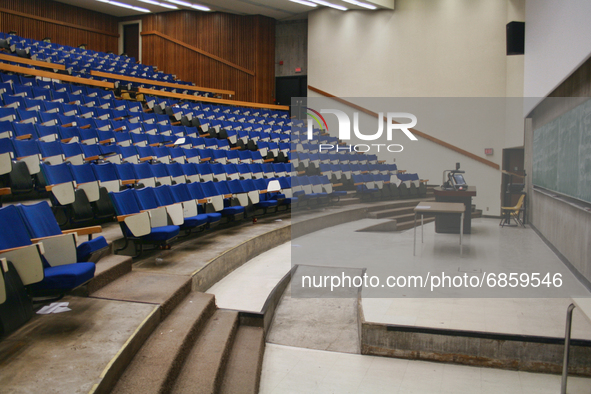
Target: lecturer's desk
{"type": "Point", "coordinates": [452, 208]}
{"type": "Point", "coordinates": [449, 223]}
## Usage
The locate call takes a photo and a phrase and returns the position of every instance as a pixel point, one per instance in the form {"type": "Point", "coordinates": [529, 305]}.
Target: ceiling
{"type": "Point", "coordinates": [277, 9]}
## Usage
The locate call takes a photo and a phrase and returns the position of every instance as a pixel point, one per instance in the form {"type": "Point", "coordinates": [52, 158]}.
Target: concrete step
{"type": "Point", "coordinates": [157, 364]}
{"type": "Point", "coordinates": [243, 370]}
{"type": "Point", "coordinates": [407, 225]}
{"type": "Point", "coordinates": [347, 201]}
{"type": "Point", "coordinates": [204, 367]}
{"type": "Point", "coordinates": [477, 213]}
{"type": "Point", "coordinates": [108, 269]}
{"type": "Point", "coordinates": [407, 217]}
{"type": "Point", "coordinates": [165, 290]}
{"type": "Point", "coordinates": [388, 213]}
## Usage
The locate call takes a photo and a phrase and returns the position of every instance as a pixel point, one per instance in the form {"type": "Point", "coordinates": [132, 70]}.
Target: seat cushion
{"type": "Point", "coordinates": [267, 204]}
{"type": "Point", "coordinates": [228, 211]}
{"type": "Point", "coordinates": [160, 234]}
{"type": "Point", "coordinates": [196, 221]}
{"type": "Point", "coordinates": [214, 217]}
{"type": "Point", "coordinates": [85, 249]}
{"type": "Point", "coordinates": [65, 277]}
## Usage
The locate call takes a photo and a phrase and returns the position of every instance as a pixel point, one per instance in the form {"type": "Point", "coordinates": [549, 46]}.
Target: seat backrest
{"type": "Point", "coordinates": [164, 195]}
{"type": "Point", "coordinates": [56, 174]}
{"type": "Point", "coordinates": [16, 234]}
{"type": "Point", "coordinates": [181, 192]}
{"type": "Point", "coordinates": [146, 198]}
{"type": "Point", "coordinates": [125, 202]}
{"type": "Point", "coordinates": [39, 220]}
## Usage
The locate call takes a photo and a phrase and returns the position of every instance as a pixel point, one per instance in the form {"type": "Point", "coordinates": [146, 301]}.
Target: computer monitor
{"type": "Point", "coordinates": [459, 180]}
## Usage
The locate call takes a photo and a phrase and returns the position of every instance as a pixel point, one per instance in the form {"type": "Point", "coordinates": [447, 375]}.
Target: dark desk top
{"type": "Point", "coordinates": [471, 192]}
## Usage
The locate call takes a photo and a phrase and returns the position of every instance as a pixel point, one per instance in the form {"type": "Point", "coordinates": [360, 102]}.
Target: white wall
{"type": "Point", "coordinates": [556, 43]}
{"type": "Point", "coordinates": [426, 48]}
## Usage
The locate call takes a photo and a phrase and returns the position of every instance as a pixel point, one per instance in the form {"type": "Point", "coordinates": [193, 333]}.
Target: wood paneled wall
{"type": "Point", "coordinates": [65, 24]}
{"type": "Point", "coordinates": [247, 41]}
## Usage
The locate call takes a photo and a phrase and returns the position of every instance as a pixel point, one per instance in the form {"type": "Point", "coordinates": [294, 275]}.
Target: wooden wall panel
{"type": "Point", "coordinates": [65, 24]}
{"type": "Point", "coordinates": [248, 41]}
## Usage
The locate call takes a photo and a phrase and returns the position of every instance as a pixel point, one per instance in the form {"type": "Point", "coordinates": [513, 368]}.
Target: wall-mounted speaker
{"type": "Point", "coordinates": [515, 38]}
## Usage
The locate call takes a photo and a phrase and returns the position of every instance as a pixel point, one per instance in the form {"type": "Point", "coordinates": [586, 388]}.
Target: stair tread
{"type": "Point", "coordinates": [205, 363]}
{"type": "Point", "coordinates": [243, 369]}
{"type": "Point", "coordinates": [158, 362]}
{"type": "Point", "coordinates": [109, 262]}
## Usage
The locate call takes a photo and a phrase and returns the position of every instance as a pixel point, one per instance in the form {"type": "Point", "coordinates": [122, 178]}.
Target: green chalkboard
{"type": "Point", "coordinates": [562, 153]}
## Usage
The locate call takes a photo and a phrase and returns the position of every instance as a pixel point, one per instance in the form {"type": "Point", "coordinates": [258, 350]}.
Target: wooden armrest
{"type": "Point", "coordinates": [175, 123]}
{"type": "Point", "coordinates": [268, 161]}
{"type": "Point", "coordinates": [381, 161]}
{"type": "Point", "coordinates": [365, 172]}
{"type": "Point", "coordinates": [401, 171]}
{"type": "Point", "coordinates": [85, 230]}
{"type": "Point", "coordinates": [235, 148]}
{"type": "Point", "coordinates": [263, 192]}
{"type": "Point", "coordinates": [119, 118]}
{"type": "Point", "coordinates": [40, 239]}
{"type": "Point", "coordinates": [155, 144]}
{"type": "Point", "coordinates": [128, 182]}
{"type": "Point", "coordinates": [337, 184]}
{"type": "Point", "coordinates": [204, 135]}
{"type": "Point", "coordinates": [91, 158]}
{"type": "Point", "coordinates": [423, 180]}
{"type": "Point", "coordinates": [205, 159]}
{"type": "Point", "coordinates": [66, 140]}
{"type": "Point", "coordinates": [359, 184]}
{"type": "Point", "coordinates": [202, 201]}
{"type": "Point", "coordinates": [169, 146]}
{"type": "Point", "coordinates": [146, 158]}
{"type": "Point", "coordinates": [5, 191]}
{"type": "Point", "coordinates": [85, 127]}
{"type": "Point", "coordinates": [24, 137]}
{"type": "Point", "coordinates": [227, 196]}
{"type": "Point", "coordinates": [103, 142]}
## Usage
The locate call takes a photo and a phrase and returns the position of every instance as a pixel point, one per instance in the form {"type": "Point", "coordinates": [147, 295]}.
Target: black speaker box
{"type": "Point", "coordinates": [515, 38]}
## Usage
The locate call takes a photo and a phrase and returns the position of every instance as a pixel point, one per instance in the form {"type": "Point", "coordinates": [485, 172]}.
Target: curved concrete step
{"type": "Point", "coordinates": [243, 370]}
{"type": "Point", "coordinates": [203, 369]}
{"type": "Point", "coordinates": [108, 269]}
{"type": "Point", "coordinates": [157, 364]}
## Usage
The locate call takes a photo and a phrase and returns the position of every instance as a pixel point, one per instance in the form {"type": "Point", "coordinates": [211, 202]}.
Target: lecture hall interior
{"type": "Point", "coordinates": [295, 196]}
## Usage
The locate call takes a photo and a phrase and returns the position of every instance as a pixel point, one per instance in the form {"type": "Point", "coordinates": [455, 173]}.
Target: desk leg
{"type": "Point", "coordinates": [414, 244]}
{"type": "Point", "coordinates": [569, 320]}
{"type": "Point", "coordinates": [422, 227]}
{"type": "Point", "coordinates": [461, 233]}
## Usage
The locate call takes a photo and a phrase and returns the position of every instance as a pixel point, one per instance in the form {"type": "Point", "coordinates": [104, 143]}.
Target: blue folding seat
{"type": "Point", "coordinates": [142, 228]}
{"type": "Point", "coordinates": [205, 172]}
{"type": "Point", "coordinates": [51, 152]}
{"type": "Point", "coordinates": [188, 212]}
{"type": "Point", "coordinates": [191, 173]}
{"type": "Point", "coordinates": [123, 138]}
{"type": "Point", "coordinates": [221, 200]}
{"type": "Point", "coordinates": [161, 174]}
{"type": "Point", "coordinates": [176, 173]}
{"type": "Point", "coordinates": [55, 275]}
{"type": "Point", "coordinates": [106, 174]}
{"type": "Point", "coordinates": [73, 153]}
{"type": "Point", "coordinates": [98, 196]}
{"type": "Point", "coordinates": [191, 206]}
{"type": "Point", "coordinates": [27, 151]}
{"type": "Point", "coordinates": [41, 223]}
{"type": "Point", "coordinates": [126, 174]}
{"type": "Point", "coordinates": [256, 197]}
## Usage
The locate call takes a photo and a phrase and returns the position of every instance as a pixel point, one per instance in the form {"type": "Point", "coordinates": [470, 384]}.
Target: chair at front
{"type": "Point", "coordinates": [508, 213]}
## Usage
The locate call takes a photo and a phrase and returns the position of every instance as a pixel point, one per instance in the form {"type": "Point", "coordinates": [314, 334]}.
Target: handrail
{"type": "Point", "coordinates": [200, 51]}
{"type": "Point", "coordinates": [56, 22]}
{"type": "Point", "coordinates": [38, 63]}
{"type": "Point", "coordinates": [159, 83]}
{"type": "Point", "coordinates": [52, 75]}
{"type": "Point", "coordinates": [415, 131]}
{"type": "Point", "coordinates": [212, 100]}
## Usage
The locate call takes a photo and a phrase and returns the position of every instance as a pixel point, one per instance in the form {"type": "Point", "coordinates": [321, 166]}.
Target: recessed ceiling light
{"type": "Point", "coordinates": [361, 4]}
{"type": "Point", "coordinates": [123, 5]}
{"type": "Point", "coordinates": [327, 4]}
{"type": "Point", "coordinates": [186, 4]}
{"type": "Point", "coordinates": [172, 7]}
{"type": "Point", "coordinates": [304, 2]}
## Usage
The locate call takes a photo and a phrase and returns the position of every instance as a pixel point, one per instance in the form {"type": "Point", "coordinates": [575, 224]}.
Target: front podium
{"type": "Point", "coordinates": [450, 223]}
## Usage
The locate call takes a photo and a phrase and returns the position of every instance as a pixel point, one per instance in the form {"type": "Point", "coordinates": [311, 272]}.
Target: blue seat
{"type": "Point", "coordinates": [191, 219]}
{"type": "Point", "coordinates": [182, 194]}
{"type": "Point", "coordinates": [41, 223]}
{"type": "Point", "coordinates": [57, 279]}
{"type": "Point", "coordinates": [141, 227]}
